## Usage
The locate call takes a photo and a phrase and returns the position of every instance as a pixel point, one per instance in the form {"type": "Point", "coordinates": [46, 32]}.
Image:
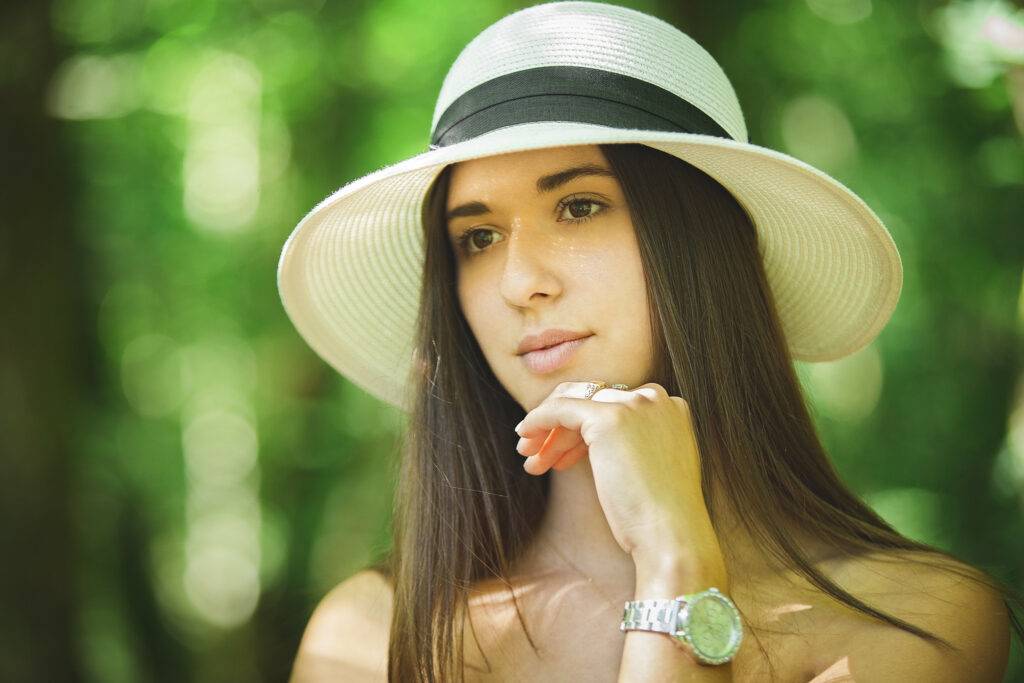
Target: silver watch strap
{"type": "Point", "coordinates": [650, 615]}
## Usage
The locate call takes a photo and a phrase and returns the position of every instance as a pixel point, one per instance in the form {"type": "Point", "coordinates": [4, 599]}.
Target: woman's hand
{"type": "Point", "coordinates": [645, 460]}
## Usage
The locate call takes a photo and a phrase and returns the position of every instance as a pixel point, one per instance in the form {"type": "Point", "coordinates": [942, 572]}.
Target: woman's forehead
{"type": "Point", "coordinates": [529, 171]}
{"type": "Point", "coordinates": [530, 162]}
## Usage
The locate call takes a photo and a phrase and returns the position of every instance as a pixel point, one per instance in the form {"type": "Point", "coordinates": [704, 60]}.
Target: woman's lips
{"type": "Point", "coordinates": [550, 359]}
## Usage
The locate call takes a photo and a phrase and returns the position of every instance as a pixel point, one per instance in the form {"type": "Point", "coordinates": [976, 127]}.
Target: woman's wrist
{"type": "Point", "coordinates": [668, 575]}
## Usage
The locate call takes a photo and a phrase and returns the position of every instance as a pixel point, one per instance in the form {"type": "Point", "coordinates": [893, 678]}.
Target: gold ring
{"type": "Point", "coordinates": [593, 388]}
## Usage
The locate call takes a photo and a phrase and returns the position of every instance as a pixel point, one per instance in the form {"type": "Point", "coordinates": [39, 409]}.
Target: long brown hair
{"type": "Point", "coordinates": [464, 508]}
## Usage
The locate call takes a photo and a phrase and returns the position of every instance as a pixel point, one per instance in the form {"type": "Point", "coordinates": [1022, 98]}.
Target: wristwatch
{"type": "Point", "coordinates": [707, 624]}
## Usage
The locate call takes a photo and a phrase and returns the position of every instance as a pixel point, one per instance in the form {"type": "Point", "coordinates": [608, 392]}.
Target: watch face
{"type": "Point", "coordinates": [714, 627]}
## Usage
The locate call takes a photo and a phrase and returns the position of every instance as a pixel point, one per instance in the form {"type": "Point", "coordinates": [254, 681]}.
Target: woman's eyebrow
{"type": "Point", "coordinates": [546, 183]}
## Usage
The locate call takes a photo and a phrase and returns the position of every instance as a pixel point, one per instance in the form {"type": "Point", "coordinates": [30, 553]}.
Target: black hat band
{"type": "Point", "coordinates": [568, 93]}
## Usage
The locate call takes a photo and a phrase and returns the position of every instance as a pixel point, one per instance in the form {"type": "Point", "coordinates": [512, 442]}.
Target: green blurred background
{"type": "Point", "coordinates": [183, 478]}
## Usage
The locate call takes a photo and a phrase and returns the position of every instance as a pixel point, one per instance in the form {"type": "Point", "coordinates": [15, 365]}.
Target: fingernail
{"type": "Point", "coordinates": [518, 427]}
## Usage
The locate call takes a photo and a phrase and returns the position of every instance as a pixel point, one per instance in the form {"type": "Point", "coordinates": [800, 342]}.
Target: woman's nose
{"type": "Point", "coordinates": [530, 267]}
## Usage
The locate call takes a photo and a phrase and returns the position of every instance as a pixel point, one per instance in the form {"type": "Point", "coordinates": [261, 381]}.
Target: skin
{"type": "Point", "coordinates": [536, 272]}
{"type": "Point", "coordinates": [533, 269]}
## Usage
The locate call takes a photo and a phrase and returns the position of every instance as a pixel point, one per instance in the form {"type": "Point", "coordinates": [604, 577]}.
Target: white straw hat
{"type": "Point", "coordinates": [583, 73]}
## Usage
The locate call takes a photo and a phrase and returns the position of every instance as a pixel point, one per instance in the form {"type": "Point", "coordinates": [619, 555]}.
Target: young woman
{"type": "Point", "coordinates": [593, 202]}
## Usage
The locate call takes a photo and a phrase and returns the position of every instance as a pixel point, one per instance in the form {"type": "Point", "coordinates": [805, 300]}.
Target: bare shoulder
{"type": "Point", "coordinates": [347, 635]}
{"type": "Point", "coordinates": [968, 614]}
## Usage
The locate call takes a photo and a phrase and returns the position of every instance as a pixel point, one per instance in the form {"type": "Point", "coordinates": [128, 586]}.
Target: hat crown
{"type": "Point", "coordinates": [596, 35]}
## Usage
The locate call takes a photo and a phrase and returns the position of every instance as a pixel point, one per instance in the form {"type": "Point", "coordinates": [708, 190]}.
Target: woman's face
{"type": "Point", "coordinates": [528, 268]}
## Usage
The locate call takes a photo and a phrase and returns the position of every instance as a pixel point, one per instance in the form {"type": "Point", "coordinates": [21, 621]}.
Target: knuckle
{"type": "Point", "coordinates": [681, 402]}
{"type": "Point", "coordinates": [658, 389]}
{"type": "Point", "coordinates": [635, 399]}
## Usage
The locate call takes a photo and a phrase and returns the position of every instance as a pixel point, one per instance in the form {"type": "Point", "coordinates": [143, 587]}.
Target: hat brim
{"type": "Point", "coordinates": [349, 273]}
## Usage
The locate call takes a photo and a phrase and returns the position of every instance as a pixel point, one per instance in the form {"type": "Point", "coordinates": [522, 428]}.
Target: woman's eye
{"type": "Point", "coordinates": [583, 214]}
{"type": "Point", "coordinates": [577, 213]}
{"type": "Point", "coordinates": [465, 241]}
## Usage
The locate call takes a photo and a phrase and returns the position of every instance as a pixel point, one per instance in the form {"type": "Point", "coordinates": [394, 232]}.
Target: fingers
{"type": "Point", "coordinates": [571, 456]}
{"type": "Point", "coordinates": [558, 441]}
{"type": "Point", "coordinates": [553, 428]}
{"type": "Point", "coordinates": [561, 411]}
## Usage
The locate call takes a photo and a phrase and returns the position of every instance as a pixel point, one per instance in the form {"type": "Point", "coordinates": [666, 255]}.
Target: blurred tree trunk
{"type": "Point", "coordinates": [41, 362]}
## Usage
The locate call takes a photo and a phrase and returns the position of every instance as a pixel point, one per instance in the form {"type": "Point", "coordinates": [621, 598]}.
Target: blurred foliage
{"type": "Point", "coordinates": [220, 478]}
